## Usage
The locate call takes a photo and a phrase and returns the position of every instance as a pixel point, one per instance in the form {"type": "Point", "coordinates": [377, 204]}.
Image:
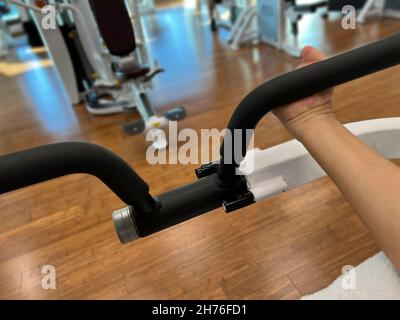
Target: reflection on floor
{"type": "Point", "coordinates": [285, 247]}
{"type": "Point", "coordinates": [27, 60]}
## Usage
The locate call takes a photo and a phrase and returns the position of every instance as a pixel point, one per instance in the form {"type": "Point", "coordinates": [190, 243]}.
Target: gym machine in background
{"type": "Point", "coordinates": [380, 8]}
{"type": "Point", "coordinates": [267, 21]}
{"type": "Point", "coordinates": [119, 36]}
{"type": "Point", "coordinates": [230, 182]}
{"type": "Point", "coordinates": [105, 93]}
{"type": "Point", "coordinates": [110, 94]}
{"type": "Point", "coordinates": [77, 51]}
{"type": "Point", "coordinates": [63, 45]}
{"type": "Point", "coordinates": [227, 11]}
{"type": "Point", "coordinates": [101, 60]}
{"type": "Point", "coordinates": [102, 91]}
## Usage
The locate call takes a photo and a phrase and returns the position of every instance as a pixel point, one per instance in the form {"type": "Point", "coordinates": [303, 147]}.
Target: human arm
{"type": "Point", "coordinates": [368, 181]}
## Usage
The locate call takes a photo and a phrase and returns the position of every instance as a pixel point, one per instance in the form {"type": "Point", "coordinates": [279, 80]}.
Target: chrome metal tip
{"type": "Point", "coordinates": [125, 225]}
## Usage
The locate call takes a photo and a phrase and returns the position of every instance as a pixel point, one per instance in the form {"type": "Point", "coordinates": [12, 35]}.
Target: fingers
{"type": "Point", "coordinates": [310, 54]}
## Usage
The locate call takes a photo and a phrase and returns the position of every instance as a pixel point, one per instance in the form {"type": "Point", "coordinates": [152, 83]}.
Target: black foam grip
{"type": "Point", "coordinates": [302, 83]}
{"type": "Point", "coordinates": [40, 164]}
{"type": "Point", "coordinates": [187, 202]}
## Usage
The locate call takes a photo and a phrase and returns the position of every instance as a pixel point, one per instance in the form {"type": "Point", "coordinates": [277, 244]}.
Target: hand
{"type": "Point", "coordinates": [297, 115]}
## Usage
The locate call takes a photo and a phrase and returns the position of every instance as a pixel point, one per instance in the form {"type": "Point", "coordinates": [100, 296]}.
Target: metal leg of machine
{"type": "Point", "coordinates": [244, 29]}
{"type": "Point", "coordinates": [380, 8]}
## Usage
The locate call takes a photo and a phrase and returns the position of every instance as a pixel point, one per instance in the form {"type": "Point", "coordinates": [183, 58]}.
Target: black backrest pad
{"type": "Point", "coordinates": [337, 5]}
{"type": "Point", "coordinates": [115, 26]}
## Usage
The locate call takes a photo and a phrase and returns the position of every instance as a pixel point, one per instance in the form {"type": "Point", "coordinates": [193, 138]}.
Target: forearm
{"type": "Point", "coordinates": [369, 182]}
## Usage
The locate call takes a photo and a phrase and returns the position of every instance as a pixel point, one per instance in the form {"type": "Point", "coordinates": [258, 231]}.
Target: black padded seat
{"type": "Point", "coordinates": [131, 73]}
{"type": "Point", "coordinates": [308, 7]}
{"type": "Point", "coordinates": [337, 5]}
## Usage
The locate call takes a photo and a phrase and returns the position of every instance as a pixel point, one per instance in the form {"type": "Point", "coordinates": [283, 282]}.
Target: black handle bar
{"type": "Point", "coordinates": [24, 168]}
{"type": "Point", "coordinates": [146, 214]}
{"type": "Point", "coordinates": [299, 84]}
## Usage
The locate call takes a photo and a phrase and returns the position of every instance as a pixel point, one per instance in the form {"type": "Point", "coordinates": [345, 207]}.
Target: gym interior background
{"type": "Point", "coordinates": [293, 244]}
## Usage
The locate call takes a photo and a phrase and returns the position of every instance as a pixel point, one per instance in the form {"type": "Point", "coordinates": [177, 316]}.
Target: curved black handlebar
{"type": "Point", "coordinates": [24, 168]}
{"type": "Point", "coordinates": [299, 84]}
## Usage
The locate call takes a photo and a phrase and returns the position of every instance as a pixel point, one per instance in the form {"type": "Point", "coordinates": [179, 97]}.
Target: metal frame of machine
{"type": "Point", "coordinates": [382, 8]}
{"type": "Point", "coordinates": [267, 20]}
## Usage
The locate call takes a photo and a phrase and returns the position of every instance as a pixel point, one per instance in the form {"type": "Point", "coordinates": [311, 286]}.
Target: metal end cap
{"type": "Point", "coordinates": [125, 225]}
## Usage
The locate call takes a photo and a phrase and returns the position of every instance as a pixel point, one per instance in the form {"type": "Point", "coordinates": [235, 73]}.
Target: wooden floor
{"type": "Point", "coordinates": [283, 248]}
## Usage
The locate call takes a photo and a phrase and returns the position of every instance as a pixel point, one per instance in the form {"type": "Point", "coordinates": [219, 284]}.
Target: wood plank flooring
{"type": "Point", "coordinates": [291, 245]}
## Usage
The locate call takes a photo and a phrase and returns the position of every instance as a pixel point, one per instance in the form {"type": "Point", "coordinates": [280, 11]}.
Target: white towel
{"type": "Point", "coordinates": [374, 279]}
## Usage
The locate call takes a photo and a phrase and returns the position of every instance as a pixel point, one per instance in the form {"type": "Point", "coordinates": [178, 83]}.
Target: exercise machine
{"type": "Point", "coordinates": [267, 21]}
{"type": "Point", "coordinates": [105, 82]}
{"type": "Point", "coordinates": [273, 18]}
{"type": "Point", "coordinates": [295, 12]}
{"type": "Point", "coordinates": [381, 8]}
{"type": "Point", "coordinates": [102, 92]}
{"type": "Point", "coordinates": [116, 29]}
{"type": "Point", "coordinates": [100, 60]}
{"type": "Point", "coordinates": [119, 57]}
{"type": "Point", "coordinates": [228, 183]}
{"type": "Point", "coordinates": [62, 45]}
{"type": "Point", "coordinates": [80, 58]}
{"type": "Point", "coordinates": [276, 22]}
{"type": "Point", "coordinates": [227, 11]}
{"type": "Point", "coordinates": [244, 28]}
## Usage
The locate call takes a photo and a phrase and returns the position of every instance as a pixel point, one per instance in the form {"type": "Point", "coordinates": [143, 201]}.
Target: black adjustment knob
{"type": "Point", "coordinates": [206, 170]}
{"type": "Point", "coordinates": [238, 202]}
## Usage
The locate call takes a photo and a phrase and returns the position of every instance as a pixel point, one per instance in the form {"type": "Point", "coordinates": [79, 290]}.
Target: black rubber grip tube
{"type": "Point", "coordinates": [40, 164]}
{"type": "Point", "coordinates": [302, 83]}
{"type": "Point", "coordinates": [186, 202]}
